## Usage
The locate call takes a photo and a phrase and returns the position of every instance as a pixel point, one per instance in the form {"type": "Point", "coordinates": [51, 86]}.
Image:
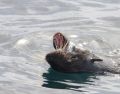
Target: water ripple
{"type": "Point", "coordinates": [26, 30]}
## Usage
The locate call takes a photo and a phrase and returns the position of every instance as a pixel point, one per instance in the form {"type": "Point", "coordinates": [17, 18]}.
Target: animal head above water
{"type": "Point", "coordinates": [65, 61]}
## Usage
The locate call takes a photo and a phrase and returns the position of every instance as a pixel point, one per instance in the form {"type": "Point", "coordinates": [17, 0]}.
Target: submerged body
{"type": "Point", "coordinates": [66, 59]}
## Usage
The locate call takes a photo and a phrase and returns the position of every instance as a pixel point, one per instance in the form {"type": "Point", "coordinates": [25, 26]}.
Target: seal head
{"type": "Point", "coordinates": [76, 61]}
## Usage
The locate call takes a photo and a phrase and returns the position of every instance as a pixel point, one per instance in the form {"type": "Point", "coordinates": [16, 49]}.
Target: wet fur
{"type": "Point", "coordinates": [70, 62]}
{"type": "Point", "coordinates": [78, 60]}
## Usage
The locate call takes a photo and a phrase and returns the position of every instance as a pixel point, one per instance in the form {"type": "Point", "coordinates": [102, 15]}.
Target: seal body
{"type": "Point", "coordinates": [78, 60]}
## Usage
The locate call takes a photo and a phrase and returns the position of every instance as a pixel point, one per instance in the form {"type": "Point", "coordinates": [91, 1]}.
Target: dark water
{"type": "Point", "coordinates": [26, 30]}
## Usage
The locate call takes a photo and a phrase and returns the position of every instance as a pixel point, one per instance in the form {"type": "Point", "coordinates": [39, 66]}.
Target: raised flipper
{"type": "Point", "coordinates": [60, 41]}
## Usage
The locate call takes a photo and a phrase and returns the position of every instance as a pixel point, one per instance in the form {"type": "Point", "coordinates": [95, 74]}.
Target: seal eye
{"type": "Point", "coordinates": [74, 57]}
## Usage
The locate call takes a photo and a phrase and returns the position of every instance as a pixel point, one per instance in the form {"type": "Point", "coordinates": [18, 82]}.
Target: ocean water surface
{"type": "Point", "coordinates": [26, 30]}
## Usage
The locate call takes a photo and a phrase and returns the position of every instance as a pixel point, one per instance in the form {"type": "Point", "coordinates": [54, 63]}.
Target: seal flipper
{"type": "Point", "coordinates": [60, 41]}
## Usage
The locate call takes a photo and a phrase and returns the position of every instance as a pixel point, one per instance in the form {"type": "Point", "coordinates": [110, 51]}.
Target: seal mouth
{"type": "Point", "coordinates": [60, 41]}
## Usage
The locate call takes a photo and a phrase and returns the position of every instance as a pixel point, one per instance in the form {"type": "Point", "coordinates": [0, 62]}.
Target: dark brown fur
{"type": "Point", "coordinates": [78, 60]}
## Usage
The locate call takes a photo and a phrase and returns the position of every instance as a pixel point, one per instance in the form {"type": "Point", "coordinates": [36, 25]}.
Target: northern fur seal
{"type": "Point", "coordinates": [77, 60]}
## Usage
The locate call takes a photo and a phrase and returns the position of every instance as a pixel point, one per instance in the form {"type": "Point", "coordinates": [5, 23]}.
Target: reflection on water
{"type": "Point", "coordinates": [73, 81]}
